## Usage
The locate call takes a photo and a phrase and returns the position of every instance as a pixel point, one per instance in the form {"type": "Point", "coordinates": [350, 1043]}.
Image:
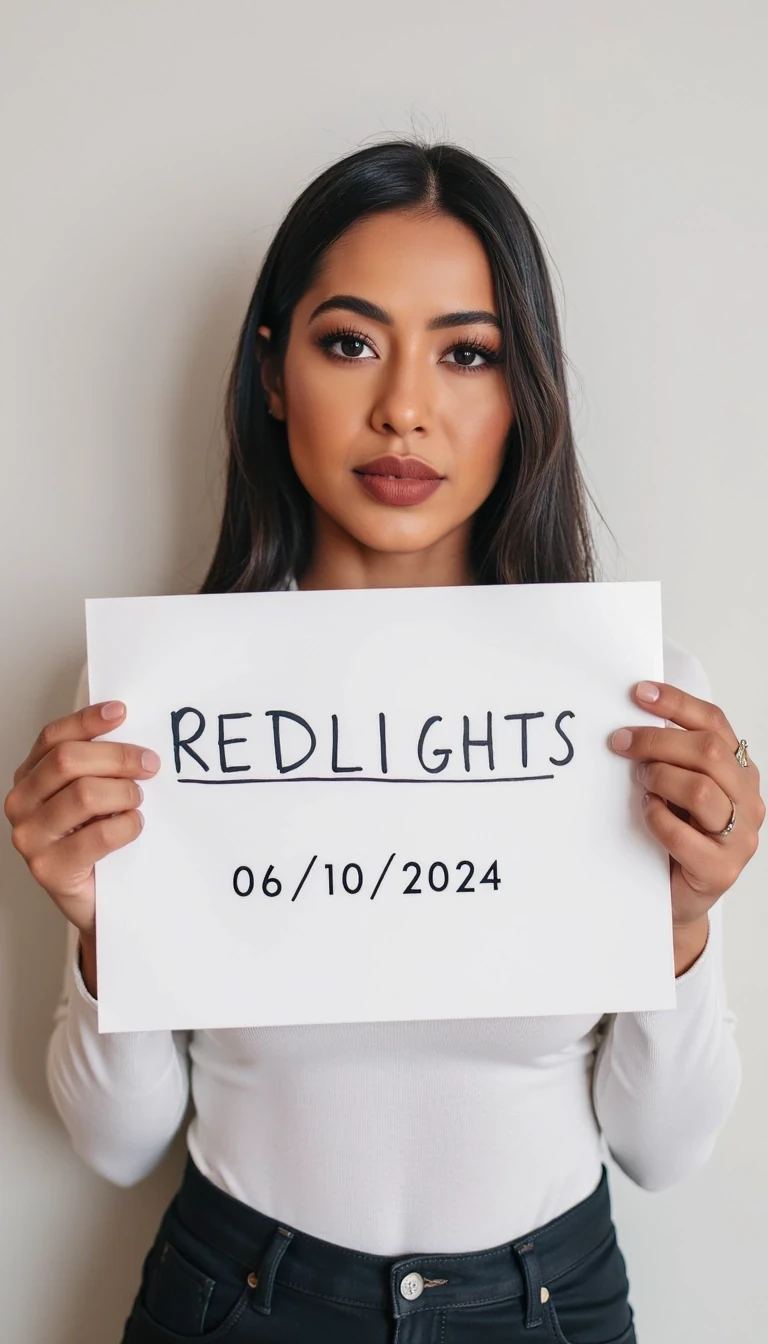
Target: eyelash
{"type": "Point", "coordinates": [348, 333]}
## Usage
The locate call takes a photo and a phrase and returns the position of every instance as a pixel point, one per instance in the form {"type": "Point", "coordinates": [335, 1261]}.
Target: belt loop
{"type": "Point", "coordinates": [264, 1281]}
{"type": "Point", "coordinates": [526, 1252]}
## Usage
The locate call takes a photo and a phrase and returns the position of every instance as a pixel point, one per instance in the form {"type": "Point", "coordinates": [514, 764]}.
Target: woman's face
{"type": "Point", "coordinates": [398, 382]}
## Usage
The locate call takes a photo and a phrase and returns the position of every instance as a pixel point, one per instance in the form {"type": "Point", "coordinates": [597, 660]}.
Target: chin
{"type": "Point", "coordinates": [400, 537]}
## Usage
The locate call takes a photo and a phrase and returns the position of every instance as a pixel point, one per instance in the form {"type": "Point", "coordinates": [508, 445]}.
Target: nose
{"type": "Point", "coordinates": [403, 399]}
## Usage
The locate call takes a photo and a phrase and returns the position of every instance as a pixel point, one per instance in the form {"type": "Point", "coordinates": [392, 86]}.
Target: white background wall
{"type": "Point", "coordinates": [148, 153]}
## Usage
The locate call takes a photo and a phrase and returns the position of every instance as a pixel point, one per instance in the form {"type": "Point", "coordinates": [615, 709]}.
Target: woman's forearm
{"type": "Point", "coordinates": [665, 1082]}
{"type": "Point", "coordinates": [122, 1096]}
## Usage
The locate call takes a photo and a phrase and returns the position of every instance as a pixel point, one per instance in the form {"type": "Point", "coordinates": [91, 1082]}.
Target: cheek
{"type": "Point", "coordinates": [478, 449]}
{"type": "Point", "coordinates": [321, 427]}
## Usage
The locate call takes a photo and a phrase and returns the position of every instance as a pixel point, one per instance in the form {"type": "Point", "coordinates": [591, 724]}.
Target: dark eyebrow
{"type": "Point", "coordinates": [364, 308]}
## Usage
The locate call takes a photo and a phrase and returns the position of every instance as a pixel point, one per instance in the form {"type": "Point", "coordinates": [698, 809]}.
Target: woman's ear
{"type": "Point", "coordinates": [270, 384]}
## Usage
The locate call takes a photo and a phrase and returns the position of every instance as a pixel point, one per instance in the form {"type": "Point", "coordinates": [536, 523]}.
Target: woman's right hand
{"type": "Point", "coordinates": [74, 801]}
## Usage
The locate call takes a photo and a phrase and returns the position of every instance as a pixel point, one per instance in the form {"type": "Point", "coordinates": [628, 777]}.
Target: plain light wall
{"type": "Point", "coordinates": [149, 153]}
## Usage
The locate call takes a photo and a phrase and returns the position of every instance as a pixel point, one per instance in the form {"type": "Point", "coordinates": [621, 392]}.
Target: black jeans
{"type": "Point", "coordinates": [220, 1270]}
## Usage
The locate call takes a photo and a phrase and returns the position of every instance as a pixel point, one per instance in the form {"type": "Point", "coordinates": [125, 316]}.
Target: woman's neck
{"type": "Point", "coordinates": [341, 561]}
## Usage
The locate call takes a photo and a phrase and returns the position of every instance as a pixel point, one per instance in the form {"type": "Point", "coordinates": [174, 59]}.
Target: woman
{"type": "Point", "coordinates": [427, 1180]}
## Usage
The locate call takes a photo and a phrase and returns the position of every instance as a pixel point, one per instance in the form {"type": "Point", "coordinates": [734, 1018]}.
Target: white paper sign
{"type": "Point", "coordinates": [381, 804]}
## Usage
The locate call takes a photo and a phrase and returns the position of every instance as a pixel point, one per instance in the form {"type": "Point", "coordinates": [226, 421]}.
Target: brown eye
{"type": "Point", "coordinates": [465, 350]}
{"type": "Point", "coordinates": [353, 341]}
{"type": "Point", "coordinates": [472, 349]}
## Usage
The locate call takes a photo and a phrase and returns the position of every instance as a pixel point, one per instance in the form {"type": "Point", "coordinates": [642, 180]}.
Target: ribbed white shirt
{"type": "Point", "coordinates": [409, 1137]}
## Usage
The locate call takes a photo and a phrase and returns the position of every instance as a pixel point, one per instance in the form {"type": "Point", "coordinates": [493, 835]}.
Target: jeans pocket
{"type": "Point", "coordinates": [177, 1293]}
{"type": "Point", "coordinates": [142, 1328]}
{"type": "Point", "coordinates": [589, 1303]}
{"type": "Point", "coordinates": [189, 1290]}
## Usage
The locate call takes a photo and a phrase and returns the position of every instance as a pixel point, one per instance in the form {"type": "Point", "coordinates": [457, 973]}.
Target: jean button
{"type": "Point", "coordinates": [412, 1286]}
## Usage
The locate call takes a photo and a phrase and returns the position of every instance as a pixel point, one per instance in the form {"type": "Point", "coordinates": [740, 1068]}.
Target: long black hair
{"type": "Point", "coordinates": [534, 525]}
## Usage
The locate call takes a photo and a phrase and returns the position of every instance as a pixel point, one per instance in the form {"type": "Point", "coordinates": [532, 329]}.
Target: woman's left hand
{"type": "Point", "coordinates": [696, 771]}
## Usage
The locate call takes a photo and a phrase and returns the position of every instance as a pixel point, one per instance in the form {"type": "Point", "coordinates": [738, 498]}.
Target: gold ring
{"type": "Point", "coordinates": [741, 753]}
{"type": "Point", "coordinates": [731, 823]}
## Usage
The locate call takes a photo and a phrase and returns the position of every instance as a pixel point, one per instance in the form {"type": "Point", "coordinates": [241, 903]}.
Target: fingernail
{"type": "Point", "coordinates": [112, 710]}
{"type": "Point", "coordinates": [150, 760]}
{"type": "Point", "coordinates": [141, 793]}
{"type": "Point", "coordinates": [642, 770]}
{"type": "Point", "coordinates": [647, 691]}
{"type": "Point", "coordinates": [622, 739]}
{"type": "Point", "coordinates": [140, 815]}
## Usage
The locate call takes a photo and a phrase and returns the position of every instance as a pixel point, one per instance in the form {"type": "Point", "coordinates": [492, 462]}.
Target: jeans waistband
{"type": "Point", "coordinates": [277, 1252]}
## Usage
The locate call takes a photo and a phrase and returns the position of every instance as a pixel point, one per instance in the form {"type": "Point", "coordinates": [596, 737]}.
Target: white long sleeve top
{"type": "Point", "coordinates": [409, 1137]}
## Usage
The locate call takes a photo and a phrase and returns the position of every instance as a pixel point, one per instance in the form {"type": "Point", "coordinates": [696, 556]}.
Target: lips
{"type": "Point", "coordinates": [402, 468]}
